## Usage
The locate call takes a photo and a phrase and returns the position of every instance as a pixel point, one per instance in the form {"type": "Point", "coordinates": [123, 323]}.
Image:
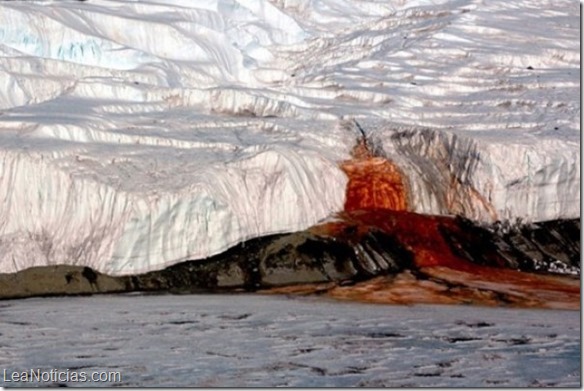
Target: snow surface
{"type": "Point", "coordinates": [249, 340]}
{"type": "Point", "coordinates": [137, 134]}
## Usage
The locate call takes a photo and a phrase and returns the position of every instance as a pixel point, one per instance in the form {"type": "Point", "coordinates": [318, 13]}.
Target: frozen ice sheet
{"type": "Point", "coordinates": [250, 340]}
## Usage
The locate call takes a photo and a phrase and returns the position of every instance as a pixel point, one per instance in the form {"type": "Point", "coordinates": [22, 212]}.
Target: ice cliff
{"type": "Point", "coordinates": [138, 134]}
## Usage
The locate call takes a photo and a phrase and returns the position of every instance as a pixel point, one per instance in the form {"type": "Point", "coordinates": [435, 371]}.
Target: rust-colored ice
{"type": "Point", "coordinates": [374, 182]}
{"type": "Point", "coordinates": [377, 198]}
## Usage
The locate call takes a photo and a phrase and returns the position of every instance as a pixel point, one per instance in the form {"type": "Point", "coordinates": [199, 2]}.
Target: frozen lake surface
{"type": "Point", "coordinates": [252, 340]}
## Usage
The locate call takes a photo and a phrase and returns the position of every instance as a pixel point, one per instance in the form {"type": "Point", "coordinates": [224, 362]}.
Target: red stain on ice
{"type": "Point", "coordinates": [377, 188]}
{"type": "Point", "coordinates": [377, 198]}
{"type": "Point", "coordinates": [450, 278]}
{"type": "Point", "coordinates": [374, 182]}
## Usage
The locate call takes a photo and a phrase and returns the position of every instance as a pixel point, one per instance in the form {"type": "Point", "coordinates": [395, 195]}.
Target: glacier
{"type": "Point", "coordinates": [138, 134]}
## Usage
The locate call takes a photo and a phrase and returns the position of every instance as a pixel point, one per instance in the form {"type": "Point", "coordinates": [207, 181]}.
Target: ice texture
{"type": "Point", "coordinates": [255, 341]}
{"type": "Point", "coordinates": [135, 135]}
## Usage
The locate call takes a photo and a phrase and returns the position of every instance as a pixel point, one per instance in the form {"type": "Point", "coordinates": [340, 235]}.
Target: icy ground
{"type": "Point", "coordinates": [138, 134]}
{"type": "Point", "coordinates": [250, 340]}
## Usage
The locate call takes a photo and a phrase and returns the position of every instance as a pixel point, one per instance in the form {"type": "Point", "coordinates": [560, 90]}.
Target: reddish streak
{"type": "Point", "coordinates": [418, 233]}
{"type": "Point", "coordinates": [374, 182]}
{"type": "Point", "coordinates": [378, 199]}
{"type": "Point", "coordinates": [376, 185]}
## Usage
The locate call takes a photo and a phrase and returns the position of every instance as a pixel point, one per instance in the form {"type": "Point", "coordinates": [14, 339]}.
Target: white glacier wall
{"type": "Point", "coordinates": [134, 135]}
{"type": "Point", "coordinates": [448, 173]}
{"type": "Point", "coordinates": [132, 225]}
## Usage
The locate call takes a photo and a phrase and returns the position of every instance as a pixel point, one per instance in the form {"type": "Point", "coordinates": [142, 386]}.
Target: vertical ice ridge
{"type": "Point", "coordinates": [52, 217]}
{"type": "Point", "coordinates": [451, 174]}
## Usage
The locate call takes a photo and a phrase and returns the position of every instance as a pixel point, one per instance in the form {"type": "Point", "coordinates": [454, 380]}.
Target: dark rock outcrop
{"type": "Point", "coordinates": [341, 253]}
{"type": "Point", "coordinates": [551, 246]}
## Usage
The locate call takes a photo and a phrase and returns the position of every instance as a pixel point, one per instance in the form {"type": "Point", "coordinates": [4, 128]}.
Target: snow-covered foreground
{"type": "Point", "coordinates": [250, 340]}
{"type": "Point", "coordinates": [135, 135]}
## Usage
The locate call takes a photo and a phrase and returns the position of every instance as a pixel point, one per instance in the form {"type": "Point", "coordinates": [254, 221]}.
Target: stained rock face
{"type": "Point", "coordinates": [376, 250]}
{"type": "Point", "coordinates": [425, 250]}
{"type": "Point", "coordinates": [456, 261]}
